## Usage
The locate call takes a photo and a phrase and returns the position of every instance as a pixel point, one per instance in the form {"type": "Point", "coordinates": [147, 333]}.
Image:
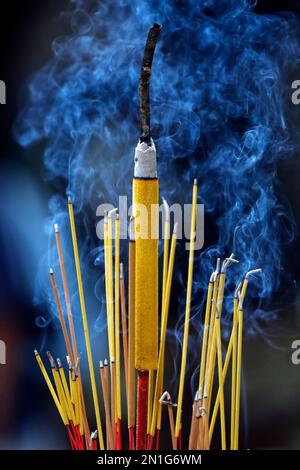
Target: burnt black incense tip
{"type": "Point", "coordinates": [145, 83]}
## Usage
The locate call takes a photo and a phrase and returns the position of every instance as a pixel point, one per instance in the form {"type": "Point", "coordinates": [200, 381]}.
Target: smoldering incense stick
{"type": "Point", "coordinates": [145, 193]}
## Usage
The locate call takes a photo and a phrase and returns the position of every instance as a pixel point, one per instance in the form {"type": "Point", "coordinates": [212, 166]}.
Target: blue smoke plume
{"type": "Point", "coordinates": [221, 112]}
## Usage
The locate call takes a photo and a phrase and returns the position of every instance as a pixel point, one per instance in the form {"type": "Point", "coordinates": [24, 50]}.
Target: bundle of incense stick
{"type": "Point", "coordinates": [136, 345]}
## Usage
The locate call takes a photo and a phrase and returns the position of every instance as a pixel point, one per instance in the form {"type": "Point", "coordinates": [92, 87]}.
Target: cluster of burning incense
{"type": "Point", "coordinates": [142, 360]}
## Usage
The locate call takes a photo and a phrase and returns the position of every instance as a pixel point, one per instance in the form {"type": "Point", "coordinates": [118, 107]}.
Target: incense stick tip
{"type": "Point", "coordinates": [69, 200]}
{"type": "Point", "coordinates": [36, 352]}
{"type": "Point", "coordinates": [105, 362]}
{"type": "Point", "coordinates": [69, 362]}
{"type": "Point", "coordinates": [101, 364]}
{"type": "Point", "coordinates": [166, 209]}
{"type": "Point", "coordinates": [112, 211]}
{"type": "Point", "coordinates": [56, 228]}
{"type": "Point", "coordinates": [51, 272]}
{"type": "Point", "coordinates": [252, 272]}
{"type": "Point", "coordinates": [157, 26]}
{"type": "Point", "coordinates": [195, 181]}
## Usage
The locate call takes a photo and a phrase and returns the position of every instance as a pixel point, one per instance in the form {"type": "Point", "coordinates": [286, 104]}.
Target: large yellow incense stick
{"type": "Point", "coordinates": [51, 389]}
{"type": "Point", "coordinates": [187, 311]}
{"type": "Point", "coordinates": [85, 325]}
{"type": "Point", "coordinates": [145, 201]}
{"type": "Point", "coordinates": [159, 377]}
{"type": "Point", "coordinates": [145, 207]}
{"type": "Point", "coordinates": [238, 375]}
{"type": "Point", "coordinates": [117, 318]}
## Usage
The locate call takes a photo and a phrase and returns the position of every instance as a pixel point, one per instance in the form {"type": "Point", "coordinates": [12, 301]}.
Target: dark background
{"type": "Point", "coordinates": [271, 417]}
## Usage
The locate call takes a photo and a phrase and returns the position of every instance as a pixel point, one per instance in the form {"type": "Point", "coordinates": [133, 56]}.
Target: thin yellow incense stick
{"type": "Point", "coordinates": [61, 315]}
{"type": "Point", "coordinates": [66, 389]}
{"type": "Point", "coordinates": [196, 422]}
{"type": "Point", "coordinates": [208, 362]}
{"type": "Point", "coordinates": [228, 355]}
{"type": "Point", "coordinates": [221, 383]}
{"type": "Point", "coordinates": [113, 399]}
{"type": "Point", "coordinates": [213, 351]}
{"type": "Point", "coordinates": [110, 282]}
{"type": "Point", "coordinates": [76, 399]}
{"type": "Point", "coordinates": [205, 333]}
{"type": "Point", "coordinates": [150, 400]}
{"type": "Point", "coordinates": [159, 377]}
{"type": "Point", "coordinates": [85, 325]}
{"type": "Point", "coordinates": [187, 312]}
{"type": "Point", "coordinates": [124, 327]}
{"type": "Point", "coordinates": [212, 323]}
{"type": "Point", "coordinates": [105, 392]}
{"type": "Point", "coordinates": [117, 318]}
{"type": "Point", "coordinates": [238, 377]}
{"type": "Point", "coordinates": [59, 387]}
{"type": "Point", "coordinates": [233, 373]}
{"type": "Point", "coordinates": [227, 262]}
{"type": "Point", "coordinates": [108, 316]}
{"type": "Point", "coordinates": [80, 422]}
{"type": "Point", "coordinates": [166, 252]}
{"type": "Point", "coordinates": [70, 321]}
{"type": "Point", "coordinates": [66, 293]}
{"type": "Point", "coordinates": [165, 274]}
{"type": "Point", "coordinates": [131, 328]}
{"type": "Point", "coordinates": [51, 389]}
